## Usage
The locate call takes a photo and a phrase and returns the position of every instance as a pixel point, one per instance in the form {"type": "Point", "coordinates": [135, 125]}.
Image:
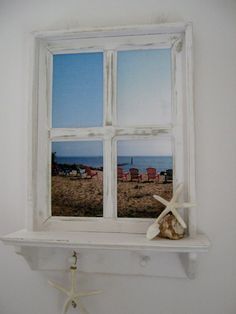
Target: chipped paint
{"type": "Point", "coordinates": [109, 41]}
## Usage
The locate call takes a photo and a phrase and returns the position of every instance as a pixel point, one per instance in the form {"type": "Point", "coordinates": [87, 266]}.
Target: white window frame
{"type": "Point", "coordinates": [178, 37]}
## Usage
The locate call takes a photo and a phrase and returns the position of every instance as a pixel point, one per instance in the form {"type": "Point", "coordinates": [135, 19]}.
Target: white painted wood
{"type": "Point", "coordinates": [114, 88]}
{"type": "Point", "coordinates": [114, 184]}
{"type": "Point", "coordinates": [108, 88]}
{"type": "Point", "coordinates": [107, 136]}
{"type": "Point", "coordinates": [106, 131]}
{"type": "Point", "coordinates": [103, 261]}
{"type": "Point", "coordinates": [192, 265]}
{"type": "Point", "coordinates": [167, 28]}
{"type": "Point", "coordinates": [111, 39]}
{"type": "Point", "coordinates": [146, 37]}
{"type": "Point", "coordinates": [117, 253]}
{"type": "Point", "coordinates": [109, 225]}
{"type": "Point", "coordinates": [78, 134]}
{"type": "Point", "coordinates": [108, 210]}
{"type": "Point", "coordinates": [100, 240]}
{"type": "Point", "coordinates": [115, 44]}
{"type": "Point", "coordinates": [32, 135]}
{"type": "Point", "coordinates": [190, 133]}
{"type": "Point", "coordinates": [41, 161]}
{"type": "Point", "coordinates": [178, 113]}
{"type": "Point", "coordinates": [49, 84]}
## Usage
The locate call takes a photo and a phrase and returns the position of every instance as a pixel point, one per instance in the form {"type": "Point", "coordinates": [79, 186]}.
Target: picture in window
{"type": "Point", "coordinates": [144, 168]}
{"type": "Point", "coordinates": [144, 87]}
{"type": "Point", "coordinates": [77, 94]}
{"type": "Point", "coordinates": [77, 179]}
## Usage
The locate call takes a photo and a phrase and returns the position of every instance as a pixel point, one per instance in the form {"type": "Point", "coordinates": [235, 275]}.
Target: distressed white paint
{"type": "Point", "coordinates": [148, 37]}
{"type": "Point", "coordinates": [101, 240]}
{"type": "Point", "coordinates": [117, 246]}
{"type": "Point", "coordinates": [190, 134]}
{"type": "Point", "coordinates": [132, 30]}
{"type": "Point", "coordinates": [106, 131]}
{"type": "Point", "coordinates": [109, 261]}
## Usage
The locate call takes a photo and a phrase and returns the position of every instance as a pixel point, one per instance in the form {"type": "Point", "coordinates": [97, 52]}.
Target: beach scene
{"type": "Point", "coordinates": [143, 167]}
{"type": "Point", "coordinates": [77, 181]}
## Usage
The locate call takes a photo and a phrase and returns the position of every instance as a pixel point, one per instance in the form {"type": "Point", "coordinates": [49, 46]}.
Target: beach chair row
{"type": "Point", "coordinates": [151, 174]}
{"type": "Point", "coordinates": [83, 173]}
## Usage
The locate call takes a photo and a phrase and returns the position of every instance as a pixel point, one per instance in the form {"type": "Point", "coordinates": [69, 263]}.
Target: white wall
{"type": "Point", "coordinates": [214, 21]}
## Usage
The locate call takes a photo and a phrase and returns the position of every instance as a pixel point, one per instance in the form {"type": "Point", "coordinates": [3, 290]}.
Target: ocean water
{"type": "Point", "coordinates": [95, 162]}
{"type": "Point", "coordinates": [161, 163]}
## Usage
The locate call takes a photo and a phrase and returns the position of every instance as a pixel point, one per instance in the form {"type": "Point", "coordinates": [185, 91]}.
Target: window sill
{"type": "Point", "coordinates": [120, 253]}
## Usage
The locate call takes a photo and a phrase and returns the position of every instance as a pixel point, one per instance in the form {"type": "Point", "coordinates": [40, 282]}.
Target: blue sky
{"type": "Point", "coordinates": [77, 98]}
{"type": "Point", "coordinates": [143, 97]}
{"type": "Point", "coordinates": [149, 147]}
{"type": "Point", "coordinates": [144, 87]}
{"type": "Point", "coordinates": [78, 149]}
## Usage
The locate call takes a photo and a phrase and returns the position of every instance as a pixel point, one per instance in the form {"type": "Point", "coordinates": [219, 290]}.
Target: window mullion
{"type": "Point", "coordinates": [109, 88]}
{"type": "Point", "coordinates": [109, 120]}
{"type": "Point", "coordinates": [108, 194]}
{"type": "Point", "coordinates": [177, 101]}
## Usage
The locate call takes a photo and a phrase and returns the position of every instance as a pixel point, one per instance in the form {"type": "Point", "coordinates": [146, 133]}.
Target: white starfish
{"type": "Point", "coordinates": [73, 297]}
{"type": "Point", "coordinates": [171, 206]}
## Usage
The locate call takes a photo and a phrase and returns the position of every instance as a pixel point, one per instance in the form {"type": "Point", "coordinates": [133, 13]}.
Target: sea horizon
{"type": "Point", "coordinates": [161, 163]}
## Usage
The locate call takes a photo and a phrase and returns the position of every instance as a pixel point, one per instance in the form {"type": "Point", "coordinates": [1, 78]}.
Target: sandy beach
{"type": "Point", "coordinates": [83, 197]}
{"type": "Point", "coordinates": [135, 199]}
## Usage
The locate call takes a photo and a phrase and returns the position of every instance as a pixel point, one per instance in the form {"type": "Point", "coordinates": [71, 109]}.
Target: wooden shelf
{"type": "Point", "coordinates": [101, 240]}
{"type": "Point", "coordinates": [109, 253]}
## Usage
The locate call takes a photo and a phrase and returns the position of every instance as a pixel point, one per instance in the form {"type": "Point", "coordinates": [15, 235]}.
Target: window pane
{"type": "Point", "coordinates": [77, 179]}
{"type": "Point", "coordinates": [144, 168]}
{"type": "Point", "coordinates": [144, 87]}
{"type": "Point", "coordinates": [77, 98]}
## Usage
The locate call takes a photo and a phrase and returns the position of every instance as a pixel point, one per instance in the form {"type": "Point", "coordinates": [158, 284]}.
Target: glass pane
{"type": "Point", "coordinates": [77, 179]}
{"type": "Point", "coordinates": [77, 98]}
{"type": "Point", "coordinates": [144, 168]}
{"type": "Point", "coordinates": [144, 87]}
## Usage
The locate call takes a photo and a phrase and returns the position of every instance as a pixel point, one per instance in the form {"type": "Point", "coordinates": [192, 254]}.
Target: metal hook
{"type": "Point", "coordinates": [76, 257]}
{"type": "Point", "coordinates": [73, 260]}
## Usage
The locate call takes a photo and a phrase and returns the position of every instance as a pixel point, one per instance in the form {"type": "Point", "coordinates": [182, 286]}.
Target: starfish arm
{"type": "Point", "coordinates": [58, 287]}
{"type": "Point", "coordinates": [66, 306]}
{"type": "Point", "coordinates": [84, 294]}
{"type": "Point", "coordinates": [73, 280]}
{"type": "Point", "coordinates": [81, 307]}
{"type": "Point", "coordinates": [177, 193]}
{"type": "Point", "coordinates": [184, 205]}
{"type": "Point", "coordinates": [179, 218]}
{"type": "Point", "coordinates": [160, 199]}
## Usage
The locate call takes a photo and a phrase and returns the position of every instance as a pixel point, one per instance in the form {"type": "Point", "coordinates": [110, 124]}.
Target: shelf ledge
{"type": "Point", "coordinates": [110, 253]}
{"type": "Point", "coordinates": [102, 240]}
